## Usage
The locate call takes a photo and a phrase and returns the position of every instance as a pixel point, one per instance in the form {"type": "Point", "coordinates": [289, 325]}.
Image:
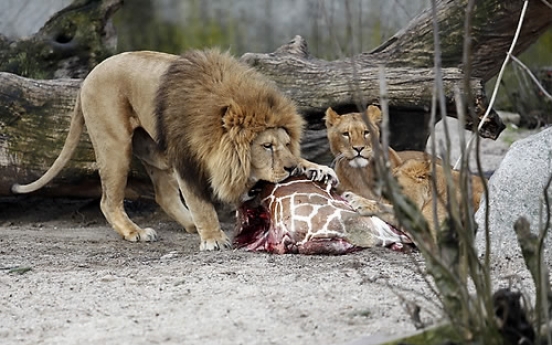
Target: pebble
{"type": "Point", "coordinates": [170, 255]}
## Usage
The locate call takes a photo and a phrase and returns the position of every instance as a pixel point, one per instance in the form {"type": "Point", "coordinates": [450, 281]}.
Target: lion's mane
{"type": "Point", "coordinates": [210, 107]}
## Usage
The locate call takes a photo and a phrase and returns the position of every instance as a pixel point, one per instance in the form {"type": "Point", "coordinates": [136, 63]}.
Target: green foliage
{"type": "Point", "coordinates": [138, 29]}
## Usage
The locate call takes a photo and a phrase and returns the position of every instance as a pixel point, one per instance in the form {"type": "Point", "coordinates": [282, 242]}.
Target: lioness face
{"type": "Point", "coordinates": [351, 138]}
{"type": "Point", "coordinates": [271, 157]}
{"type": "Point", "coordinates": [414, 176]}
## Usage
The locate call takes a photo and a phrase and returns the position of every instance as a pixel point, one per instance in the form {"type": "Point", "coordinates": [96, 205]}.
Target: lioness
{"type": "Point", "coordinates": [350, 143]}
{"type": "Point", "coordinates": [349, 139]}
{"type": "Point", "coordinates": [416, 179]}
{"type": "Point", "coordinates": [217, 125]}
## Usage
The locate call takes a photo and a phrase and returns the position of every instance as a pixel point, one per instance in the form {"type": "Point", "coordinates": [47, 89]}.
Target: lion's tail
{"type": "Point", "coordinates": [73, 136]}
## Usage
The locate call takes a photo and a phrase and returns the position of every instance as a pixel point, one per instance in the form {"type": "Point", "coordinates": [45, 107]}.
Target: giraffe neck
{"type": "Point", "coordinates": [309, 210]}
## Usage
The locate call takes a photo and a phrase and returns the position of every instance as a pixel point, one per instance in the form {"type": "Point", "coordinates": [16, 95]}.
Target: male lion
{"type": "Point", "coordinates": [216, 127]}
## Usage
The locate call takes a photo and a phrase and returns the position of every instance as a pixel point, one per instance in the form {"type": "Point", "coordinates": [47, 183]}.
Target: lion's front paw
{"type": "Point", "coordinates": [321, 173]}
{"type": "Point", "coordinates": [215, 243]}
{"type": "Point", "coordinates": [143, 235]}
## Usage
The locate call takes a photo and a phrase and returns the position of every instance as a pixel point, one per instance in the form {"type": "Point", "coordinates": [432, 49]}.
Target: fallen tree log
{"type": "Point", "coordinates": [33, 127]}
{"type": "Point", "coordinates": [346, 84]}
{"type": "Point", "coordinates": [34, 114]}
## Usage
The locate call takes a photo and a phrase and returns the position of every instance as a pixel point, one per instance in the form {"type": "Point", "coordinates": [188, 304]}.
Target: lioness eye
{"type": "Point", "coordinates": [267, 146]}
{"type": "Point", "coordinates": [366, 134]}
{"type": "Point", "coordinates": [345, 134]}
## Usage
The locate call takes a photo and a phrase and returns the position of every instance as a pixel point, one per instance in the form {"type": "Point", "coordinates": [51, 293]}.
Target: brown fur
{"type": "Point", "coordinates": [202, 123]}
{"type": "Point", "coordinates": [225, 100]}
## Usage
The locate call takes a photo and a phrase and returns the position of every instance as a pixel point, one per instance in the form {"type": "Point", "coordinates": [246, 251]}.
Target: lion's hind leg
{"type": "Point", "coordinates": [167, 192]}
{"type": "Point", "coordinates": [113, 177]}
{"type": "Point", "coordinates": [113, 154]}
{"type": "Point", "coordinates": [167, 195]}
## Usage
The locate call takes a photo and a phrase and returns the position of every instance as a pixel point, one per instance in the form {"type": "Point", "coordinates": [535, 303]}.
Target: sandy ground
{"type": "Point", "coordinates": [86, 286]}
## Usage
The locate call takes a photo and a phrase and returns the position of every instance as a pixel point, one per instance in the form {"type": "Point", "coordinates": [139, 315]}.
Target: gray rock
{"type": "Point", "coordinates": [20, 18]}
{"type": "Point", "coordinates": [516, 188]}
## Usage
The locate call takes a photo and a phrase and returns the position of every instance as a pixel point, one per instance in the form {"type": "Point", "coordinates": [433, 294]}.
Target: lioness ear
{"type": "Point", "coordinates": [416, 169]}
{"type": "Point", "coordinates": [374, 114]}
{"type": "Point", "coordinates": [332, 118]}
{"type": "Point", "coordinates": [423, 171]}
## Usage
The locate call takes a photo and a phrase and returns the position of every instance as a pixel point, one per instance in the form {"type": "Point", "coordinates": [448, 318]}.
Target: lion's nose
{"type": "Point", "coordinates": [358, 149]}
{"type": "Point", "coordinates": [292, 170]}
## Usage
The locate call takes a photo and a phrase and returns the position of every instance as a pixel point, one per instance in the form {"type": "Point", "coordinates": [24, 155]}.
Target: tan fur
{"type": "Point", "coordinates": [202, 123]}
{"type": "Point", "coordinates": [415, 177]}
{"type": "Point", "coordinates": [350, 142]}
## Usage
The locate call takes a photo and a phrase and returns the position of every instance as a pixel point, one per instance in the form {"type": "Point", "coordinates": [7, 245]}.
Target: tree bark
{"type": "Point", "coordinates": [493, 26]}
{"type": "Point", "coordinates": [314, 83]}
{"type": "Point", "coordinates": [35, 114]}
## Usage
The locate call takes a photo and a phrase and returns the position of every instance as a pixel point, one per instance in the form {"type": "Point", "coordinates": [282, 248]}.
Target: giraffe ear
{"type": "Point", "coordinates": [332, 118]}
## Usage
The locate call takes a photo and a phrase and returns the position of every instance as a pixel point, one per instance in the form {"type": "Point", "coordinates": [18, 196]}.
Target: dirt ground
{"type": "Point", "coordinates": [87, 286]}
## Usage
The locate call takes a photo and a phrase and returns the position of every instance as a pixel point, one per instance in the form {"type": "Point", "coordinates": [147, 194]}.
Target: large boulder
{"type": "Point", "coordinates": [516, 188]}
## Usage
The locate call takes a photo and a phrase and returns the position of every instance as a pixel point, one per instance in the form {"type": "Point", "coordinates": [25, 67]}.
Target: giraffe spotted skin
{"type": "Point", "coordinates": [306, 217]}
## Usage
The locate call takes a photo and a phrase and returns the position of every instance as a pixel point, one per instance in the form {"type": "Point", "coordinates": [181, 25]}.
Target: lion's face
{"type": "Point", "coordinates": [350, 137]}
{"type": "Point", "coordinates": [271, 157]}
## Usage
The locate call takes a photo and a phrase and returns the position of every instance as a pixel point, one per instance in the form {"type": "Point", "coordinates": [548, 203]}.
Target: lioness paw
{"type": "Point", "coordinates": [360, 204]}
{"type": "Point", "coordinates": [350, 196]}
{"type": "Point", "coordinates": [215, 243]}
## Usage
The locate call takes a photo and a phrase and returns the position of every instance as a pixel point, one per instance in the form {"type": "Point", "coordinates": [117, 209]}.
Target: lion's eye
{"type": "Point", "coordinates": [366, 134]}
{"type": "Point", "coordinates": [345, 134]}
{"type": "Point", "coordinates": [268, 146]}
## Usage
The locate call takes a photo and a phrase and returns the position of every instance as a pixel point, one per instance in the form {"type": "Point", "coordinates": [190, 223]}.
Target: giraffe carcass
{"type": "Point", "coordinates": [306, 217]}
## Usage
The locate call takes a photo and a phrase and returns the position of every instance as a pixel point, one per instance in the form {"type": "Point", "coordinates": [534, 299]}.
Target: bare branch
{"type": "Point", "coordinates": [500, 74]}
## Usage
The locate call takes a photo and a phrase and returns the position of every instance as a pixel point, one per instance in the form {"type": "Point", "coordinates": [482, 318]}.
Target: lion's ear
{"type": "Point", "coordinates": [229, 117]}
{"type": "Point", "coordinates": [374, 114]}
{"type": "Point", "coordinates": [332, 118]}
